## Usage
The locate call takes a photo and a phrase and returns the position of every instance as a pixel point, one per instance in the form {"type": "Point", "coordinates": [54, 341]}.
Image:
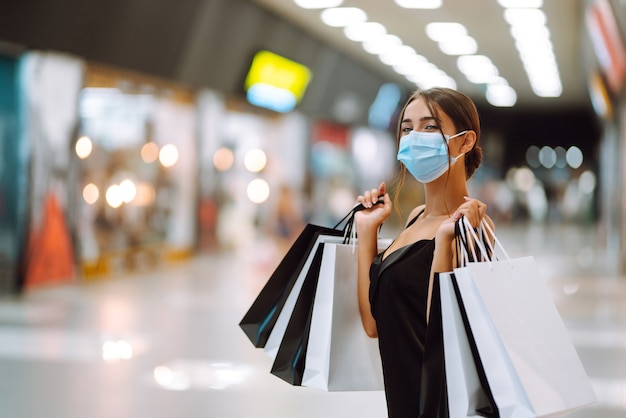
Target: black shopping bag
{"type": "Point", "coordinates": [433, 397]}
{"type": "Point", "coordinates": [289, 363]}
{"type": "Point", "coordinates": [259, 321]}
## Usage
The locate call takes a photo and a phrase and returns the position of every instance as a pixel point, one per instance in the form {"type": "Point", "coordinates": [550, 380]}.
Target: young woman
{"type": "Point", "coordinates": [438, 137]}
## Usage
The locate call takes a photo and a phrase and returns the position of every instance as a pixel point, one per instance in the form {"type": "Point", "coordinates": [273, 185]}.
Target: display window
{"type": "Point", "coordinates": [136, 180]}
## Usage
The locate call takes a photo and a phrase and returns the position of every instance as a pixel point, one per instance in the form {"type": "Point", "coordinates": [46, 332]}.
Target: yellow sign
{"type": "Point", "coordinates": [274, 70]}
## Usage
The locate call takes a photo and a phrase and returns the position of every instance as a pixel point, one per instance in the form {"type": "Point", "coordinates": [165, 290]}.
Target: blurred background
{"type": "Point", "coordinates": [176, 148]}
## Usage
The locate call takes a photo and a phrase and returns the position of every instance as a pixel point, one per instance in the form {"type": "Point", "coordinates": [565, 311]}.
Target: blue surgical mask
{"type": "Point", "coordinates": [425, 155]}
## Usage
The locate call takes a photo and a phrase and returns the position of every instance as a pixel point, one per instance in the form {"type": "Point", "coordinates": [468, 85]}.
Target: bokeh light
{"type": "Point", "coordinates": [574, 157]}
{"type": "Point", "coordinates": [258, 191]}
{"type": "Point", "coordinates": [128, 190]}
{"type": "Point", "coordinates": [524, 179]}
{"type": "Point", "coordinates": [168, 156]}
{"type": "Point", "coordinates": [84, 147]}
{"type": "Point", "coordinates": [561, 161]}
{"type": "Point", "coordinates": [91, 193]}
{"type": "Point", "coordinates": [587, 182]}
{"type": "Point", "coordinates": [223, 159]}
{"type": "Point", "coordinates": [145, 194]}
{"type": "Point", "coordinates": [117, 350]}
{"type": "Point", "coordinates": [547, 157]}
{"type": "Point", "coordinates": [114, 196]}
{"type": "Point", "coordinates": [255, 160]}
{"type": "Point", "coordinates": [150, 152]}
{"type": "Point", "coordinates": [532, 156]}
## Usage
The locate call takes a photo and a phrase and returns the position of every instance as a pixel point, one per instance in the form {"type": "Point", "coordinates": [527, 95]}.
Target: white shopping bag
{"type": "Point", "coordinates": [464, 390]}
{"type": "Point", "coordinates": [340, 356]}
{"type": "Point", "coordinates": [527, 355]}
{"type": "Point", "coordinates": [276, 336]}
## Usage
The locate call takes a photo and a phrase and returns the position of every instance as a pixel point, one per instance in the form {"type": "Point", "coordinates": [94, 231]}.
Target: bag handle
{"type": "Point", "coordinates": [349, 228]}
{"type": "Point", "coordinates": [480, 237]}
{"type": "Point", "coordinates": [487, 228]}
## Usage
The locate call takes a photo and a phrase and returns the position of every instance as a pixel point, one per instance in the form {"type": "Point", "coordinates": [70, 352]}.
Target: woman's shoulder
{"type": "Point", "coordinates": [414, 214]}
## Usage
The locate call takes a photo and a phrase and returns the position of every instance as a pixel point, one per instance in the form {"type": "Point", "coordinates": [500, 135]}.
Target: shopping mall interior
{"type": "Point", "coordinates": [159, 159]}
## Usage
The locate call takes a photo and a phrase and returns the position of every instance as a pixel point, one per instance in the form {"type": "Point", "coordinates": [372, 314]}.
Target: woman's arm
{"type": "Point", "coordinates": [445, 251]}
{"type": "Point", "coordinates": [368, 221]}
{"type": "Point", "coordinates": [367, 250]}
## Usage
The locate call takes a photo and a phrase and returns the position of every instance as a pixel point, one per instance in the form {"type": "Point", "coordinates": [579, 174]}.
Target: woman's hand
{"type": "Point", "coordinates": [473, 209]}
{"type": "Point", "coordinates": [374, 214]}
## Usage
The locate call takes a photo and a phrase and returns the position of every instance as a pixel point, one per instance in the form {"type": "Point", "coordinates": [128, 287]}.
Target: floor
{"type": "Point", "coordinates": [167, 343]}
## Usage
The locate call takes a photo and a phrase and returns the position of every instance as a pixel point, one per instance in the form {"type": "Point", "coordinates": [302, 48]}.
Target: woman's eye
{"type": "Point", "coordinates": [431, 128]}
{"type": "Point", "coordinates": [406, 129]}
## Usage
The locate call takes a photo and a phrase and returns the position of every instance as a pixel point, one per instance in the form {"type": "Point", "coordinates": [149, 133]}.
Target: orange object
{"type": "Point", "coordinates": [50, 255]}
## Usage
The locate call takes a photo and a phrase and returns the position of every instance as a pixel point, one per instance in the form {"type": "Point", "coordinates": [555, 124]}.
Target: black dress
{"type": "Point", "coordinates": [398, 294]}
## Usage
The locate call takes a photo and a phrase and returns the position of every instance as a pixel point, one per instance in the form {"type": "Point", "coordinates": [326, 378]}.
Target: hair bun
{"type": "Point", "coordinates": [473, 160]}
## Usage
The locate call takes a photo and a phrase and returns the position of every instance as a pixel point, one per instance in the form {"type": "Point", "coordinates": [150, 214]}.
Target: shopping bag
{"type": "Point", "coordinates": [262, 315]}
{"type": "Point", "coordinates": [530, 363]}
{"type": "Point", "coordinates": [282, 316]}
{"type": "Point", "coordinates": [258, 322]}
{"type": "Point", "coordinates": [340, 356]}
{"type": "Point", "coordinates": [467, 389]}
{"type": "Point", "coordinates": [291, 354]}
{"type": "Point", "coordinates": [433, 396]}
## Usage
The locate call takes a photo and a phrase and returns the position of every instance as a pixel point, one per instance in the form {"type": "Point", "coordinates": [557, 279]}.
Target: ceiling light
{"type": "Point", "coordinates": [343, 16]}
{"type": "Point", "coordinates": [409, 65]}
{"type": "Point", "coordinates": [524, 32]}
{"type": "Point", "coordinates": [381, 44]}
{"type": "Point", "coordinates": [501, 95]}
{"type": "Point", "coordinates": [363, 31]}
{"type": "Point", "coordinates": [436, 80]}
{"type": "Point", "coordinates": [318, 4]}
{"type": "Point", "coordinates": [516, 4]}
{"type": "Point", "coordinates": [424, 72]}
{"type": "Point", "coordinates": [442, 31]}
{"type": "Point", "coordinates": [397, 55]}
{"type": "Point", "coordinates": [465, 45]}
{"type": "Point", "coordinates": [525, 17]}
{"type": "Point", "coordinates": [532, 40]}
{"type": "Point", "coordinates": [498, 81]}
{"type": "Point", "coordinates": [477, 68]}
{"type": "Point", "coordinates": [419, 4]}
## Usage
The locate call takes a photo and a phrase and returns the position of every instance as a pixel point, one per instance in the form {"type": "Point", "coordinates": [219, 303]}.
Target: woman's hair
{"type": "Point", "coordinates": [461, 109]}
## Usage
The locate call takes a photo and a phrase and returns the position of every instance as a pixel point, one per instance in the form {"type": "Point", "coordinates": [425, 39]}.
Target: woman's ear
{"type": "Point", "coordinates": [469, 139]}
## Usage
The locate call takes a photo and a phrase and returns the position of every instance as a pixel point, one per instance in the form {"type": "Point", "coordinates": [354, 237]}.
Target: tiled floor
{"type": "Point", "coordinates": [167, 344]}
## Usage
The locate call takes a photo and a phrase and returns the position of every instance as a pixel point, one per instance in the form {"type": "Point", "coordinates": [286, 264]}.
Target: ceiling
{"type": "Point", "coordinates": [484, 20]}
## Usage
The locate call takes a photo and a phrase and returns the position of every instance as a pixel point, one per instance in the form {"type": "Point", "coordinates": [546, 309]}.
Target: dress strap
{"type": "Point", "coordinates": [412, 221]}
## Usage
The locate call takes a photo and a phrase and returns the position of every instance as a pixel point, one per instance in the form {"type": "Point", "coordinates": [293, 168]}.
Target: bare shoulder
{"type": "Point", "coordinates": [414, 213]}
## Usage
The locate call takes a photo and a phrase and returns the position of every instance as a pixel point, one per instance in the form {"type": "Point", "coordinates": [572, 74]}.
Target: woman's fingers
{"type": "Point", "coordinates": [370, 197]}
{"type": "Point", "coordinates": [474, 210]}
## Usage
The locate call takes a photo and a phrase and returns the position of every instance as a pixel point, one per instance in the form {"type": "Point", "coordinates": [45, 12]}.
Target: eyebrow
{"type": "Point", "coordinates": [422, 119]}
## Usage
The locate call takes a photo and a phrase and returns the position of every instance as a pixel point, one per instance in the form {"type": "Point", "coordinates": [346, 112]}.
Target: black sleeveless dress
{"type": "Point", "coordinates": [398, 294]}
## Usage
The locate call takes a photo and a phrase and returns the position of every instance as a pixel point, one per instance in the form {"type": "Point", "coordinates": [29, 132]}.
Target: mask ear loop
{"type": "Point", "coordinates": [448, 144]}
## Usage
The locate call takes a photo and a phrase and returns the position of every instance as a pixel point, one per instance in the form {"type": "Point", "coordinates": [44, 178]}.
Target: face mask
{"type": "Point", "coordinates": [425, 155]}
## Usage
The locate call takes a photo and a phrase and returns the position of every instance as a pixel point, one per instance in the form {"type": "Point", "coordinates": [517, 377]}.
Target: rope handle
{"type": "Point", "coordinates": [480, 237]}
{"type": "Point", "coordinates": [349, 229]}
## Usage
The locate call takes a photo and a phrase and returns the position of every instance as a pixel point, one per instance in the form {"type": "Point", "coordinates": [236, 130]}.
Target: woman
{"type": "Point", "coordinates": [438, 136]}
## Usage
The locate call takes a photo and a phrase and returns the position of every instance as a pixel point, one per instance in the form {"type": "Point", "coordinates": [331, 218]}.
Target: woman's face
{"type": "Point", "coordinates": [417, 117]}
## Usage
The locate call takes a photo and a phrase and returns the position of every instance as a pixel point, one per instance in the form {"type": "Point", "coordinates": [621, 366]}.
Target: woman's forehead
{"type": "Point", "coordinates": [418, 110]}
